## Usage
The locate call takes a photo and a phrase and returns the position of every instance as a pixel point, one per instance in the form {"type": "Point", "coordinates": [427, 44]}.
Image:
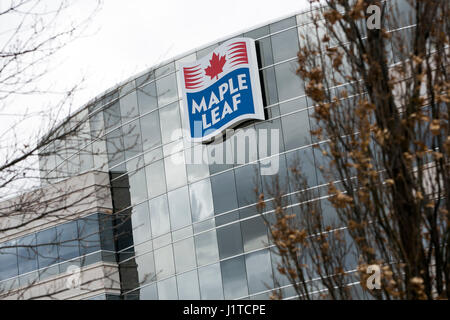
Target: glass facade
{"type": "Point", "coordinates": [49, 252]}
{"type": "Point", "coordinates": [194, 232]}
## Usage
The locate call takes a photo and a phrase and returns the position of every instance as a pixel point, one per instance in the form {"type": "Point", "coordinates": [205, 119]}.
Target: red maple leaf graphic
{"type": "Point", "coordinates": [216, 66]}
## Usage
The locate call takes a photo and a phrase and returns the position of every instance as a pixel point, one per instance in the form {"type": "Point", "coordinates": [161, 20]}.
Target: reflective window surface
{"type": "Point", "coordinates": [201, 200]}
{"type": "Point", "coordinates": [254, 233]}
{"type": "Point", "coordinates": [8, 261]}
{"type": "Point", "coordinates": [259, 271]}
{"type": "Point", "coordinates": [140, 219]}
{"type": "Point", "coordinates": [206, 247]}
{"type": "Point", "coordinates": [234, 278]}
{"type": "Point", "coordinates": [170, 123]}
{"type": "Point", "coordinates": [175, 171]}
{"type": "Point", "coordinates": [184, 253]}
{"type": "Point", "coordinates": [147, 98]}
{"type": "Point", "coordinates": [129, 107]}
{"type": "Point", "coordinates": [188, 288]}
{"type": "Point", "coordinates": [167, 289]}
{"type": "Point", "coordinates": [210, 282]}
{"type": "Point", "coordinates": [296, 132]}
{"type": "Point", "coordinates": [285, 45]}
{"type": "Point", "coordinates": [151, 133]}
{"type": "Point", "coordinates": [156, 179]}
{"type": "Point", "coordinates": [179, 207]}
{"type": "Point", "coordinates": [164, 263]}
{"type": "Point", "coordinates": [167, 89]}
{"type": "Point", "coordinates": [159, 215]}
{"type": "Point", "coordinates": [289, 84]}
{"type": "Point", "coordinates": [138, 186]}
{"type": "Point", "coordinates": [283, 24]}
{"type": "Point", "coordinates": [49, 252]}
{"type": "Point", "coordinates": [224, 192]}
{"type": "Point", "coordinates": [230, 240]}
{"type": "Point", "coordinates": [146, 266]}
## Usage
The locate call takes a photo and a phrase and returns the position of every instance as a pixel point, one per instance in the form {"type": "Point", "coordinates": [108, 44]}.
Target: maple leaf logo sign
{"type": "Point", "coordinates": [216, 66]}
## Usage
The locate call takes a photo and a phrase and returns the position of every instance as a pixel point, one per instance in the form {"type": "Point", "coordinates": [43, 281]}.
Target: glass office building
{"type": "Point", "coordinates": [191, 231]}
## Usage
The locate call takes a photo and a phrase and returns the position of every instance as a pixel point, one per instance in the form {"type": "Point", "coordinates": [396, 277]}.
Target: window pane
{"type": "Point", "coordinates": [283, 280]}
{"type": "Point", "coordinates": [146, 96]}
{"type": "Point", "coordinates": [86, 159]}
{"type": "Point", "coordinates": [296, 130]}
{"type": "Point", "coordinates": [282, 174]}
{"type": "Point", "coordinates": [230, 240]}
{"type": "Point", "coordinates": [156, 180]}
{"type": "Point", "coordinates": [289, 84]}
{"type": "Point", "coordinates": [145, 265]}
{"type": "Point", "coordinates": [188, 286]}
{"type": "Point", "coordinates": [294, 105]}
{"type": "Point", "coordinates": [68, 240]}
{"type": "Point", "coordinates": [265, 51]}
{"type": "Point", "coordinates": [26, 253]}
{"type": "Point", "coordinates": [217, 155]}
{"type": "Point", "coordinates": [285, 45]}
{"type": "Point", "coordinates": [179, 207]}
{"type": "Point", "coordinates": [184, 255]}
{"type": "Point", "coordinates": [166, 69]}
{"type": "Point", "coordinates": [138, 186]}
{"type": "Point", "coordinates": [270, 86]}
{"type": "Point", "coordinates": [8, 261]}
{"type": "Point", "coordinates": [88, 230]}
{"type": "Point", "coordinates": [259, 271]}
{"type": "Point", "coordinates": [203, 52]}
{"type": "Point", "coordinates": [159, 216]}
{"type": "Point", "coordinates": [167, 89]}
{"type": "Point", "coordinates": [128, 107]}
{"type": "Point", "coordinates": [127, 88]}
{"type": "Point", "coordinates": [304, 161]}
{"type": "Point", "coordinates": [114, 145]}
{"type": "Point", "coordinates": [106, 231]}
{"type": "Point", "coordinates": [149, 76]}
{"type": "Point", "coordinates": [47, 247]}
{"type": "Point", "coordinates": [201, 200]}
{"type": "Point", "coordinates": [257, 33]}
{"type": "Point", "coordinates": [234, 278]}
{"type": "Point", "coordinates": [140, 220]}
{"type": "Point", "coordinates": [224, 192]}
{"type": "Point", "coordinates": [167, 289]}
{"type": "Point", "coordinates": [283, 24]}
{"type": "Point", "coordinates": [254, 233]}
{"type": "Point", "coordinates": [195, 171]}
{"type": "Point", "coordinates": [152, 156]}
{"type": "Point", "coordinates": [210, 282]}
{"type": "Point", "coordinates": [206, 247]}
{"type": "Point", "coordinates": [164, 262]}
{"type": "Point", "coordinates": [132, 139]}
{"type": "Point", "coordinates": [246, 184]}
{"type": "Point", "coordinates": [175, 171]}
{"type": "Point", "coordinates": [124, 235]}
{"type": "Point", "coordinates": [170, 123]}
{"type": "Point", "coordinates": [112, 116]}
{"type": "Point", "coordinates": [329, 213]}
{"type": "Point", "coordinates": [135, 163]}
{"type": "Point", "coordinates": [151, 133]}
{"type": "Point", "coordinates": [148, 292]}
{"type": "Point", "coordinates": [271, 126]}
